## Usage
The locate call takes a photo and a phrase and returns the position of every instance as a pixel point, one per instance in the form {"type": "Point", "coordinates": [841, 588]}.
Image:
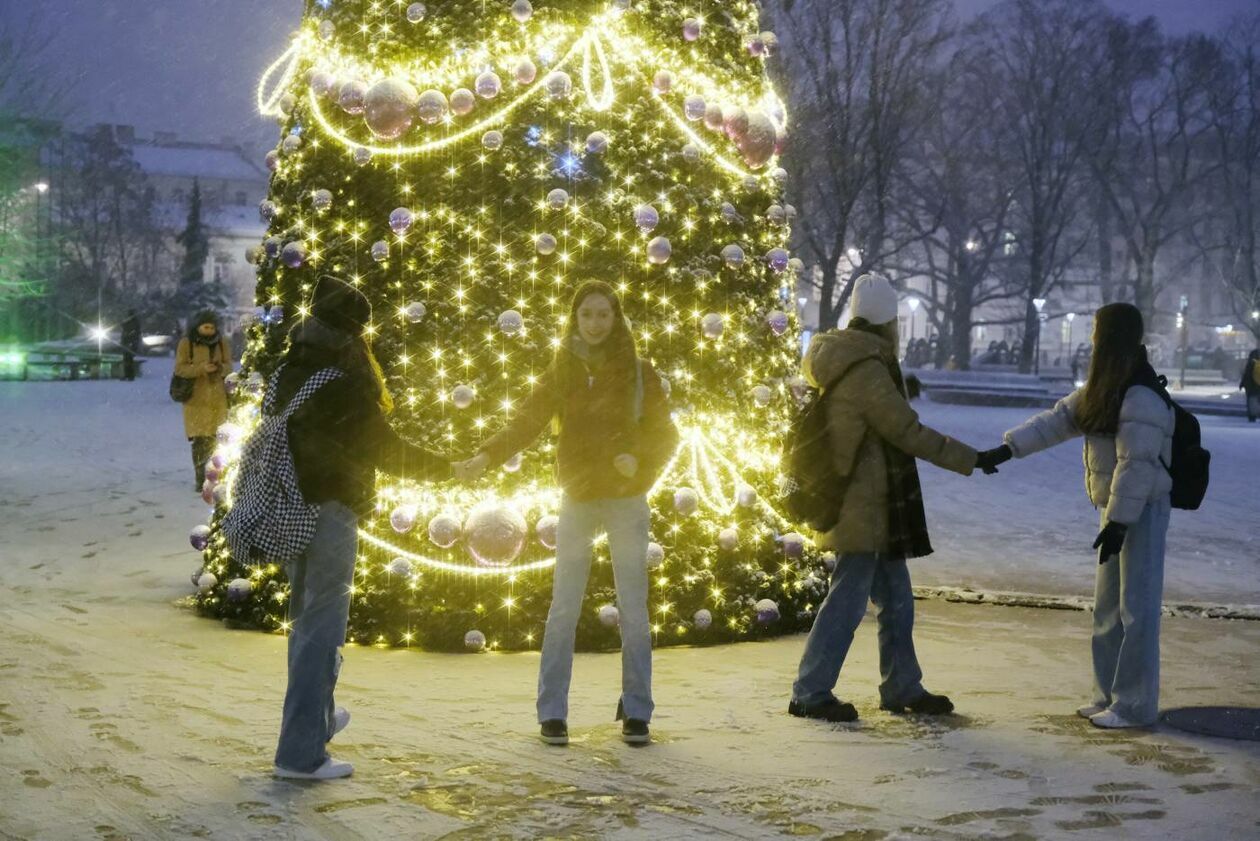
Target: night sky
{"type": "Point", "coordinates": [191, 66]}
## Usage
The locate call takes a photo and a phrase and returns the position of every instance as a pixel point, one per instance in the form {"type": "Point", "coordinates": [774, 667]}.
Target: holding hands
{"type": "Point", "coordinates": [1110, 540]}
{"type": "Point", "coordinates": [988, 460]}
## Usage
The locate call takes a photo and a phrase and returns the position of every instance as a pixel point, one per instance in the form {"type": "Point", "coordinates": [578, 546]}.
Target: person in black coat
{"type": "Point", "coordinates": [339, 437]}
{"type": "Point", "coordinates": [130, 341]}
{"type": "Point", "coordinates": [1250, 384]}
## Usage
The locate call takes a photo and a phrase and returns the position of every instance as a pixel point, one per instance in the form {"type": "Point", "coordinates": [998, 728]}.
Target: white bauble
{"type": "Point", "coordinates": [558, 84]}
{"type": "Point", "coordinates": [545, 530]}
{"type": "Point", "coordinates": [511, 322]}
{"type": "Point", "coordinates": [445, 529]}
{"type": "Point", "coordinates": [546, 244]}
{"type": "Point", "coordinates": [692, 28]}
{"type": "Point", "coordinates": [522, 10]}
{"type": "Point", "coordinates": [746, 496]}
{"type": "Point", "coordinates": [380, 251]}
{"type": "Point", "coordinates": [793, 544]}
{"type": "Point", "coordinates": [778, 322]}
{"type": "Point", "coordinates": [655, 555]}
{"type": "Point", "coordinates": [488, 85]}
{"type": "Point", "coordinates": [596, 142]}
{"type": "Point", "coordinates": [713, 118]}
{"type": "Point", "coordinates": [686, 501]}
{"type": "Point", "coordinates": [199, 537]}
{"type": "Point", "coordinates": [400, 567]}
{"type": "Point", "coordinates": [351, 96]}
{"type": "Point", "coordinates": [728, 539]}
{"type": "Point", "coordinates": [659, 251]}
{"type": "Point", "coordinates": [713, 325]}
{"type": "Point", "coordinates": [767, 611]}
{"type": "Point", "coordinates": [495, 533]}
{"type": "Point", "coordinates": [557, 199]}
{"type": "Point", "coordinates": [609, 616]}
{"type": "Point", "coordinates": [525, 72]}
{"type": "Point", "coordinates": [432, 106]}
{"type": "Point", "coordinates": [513, 464]}
{"type": "Point", "coordinates": [206, 582]}
{"type": "Point", "coordinates": [777, 260]}
{"type": "Point", "coordinates": [321, 199]}
{"type": "Point", "coordinates": [463, 101]}
{"type": "Point", "coordinates": [362, 155]}
{"type": "Point", "coordinates": [829, 561]}
{"type": "Point", "coordinates": [646, 217]}
{"type": "Point", "coordinates": [403, 518]}
{"type": "Point", "coordinates": [779, 174]}
{"type": "Point", "coordinates": [776, 215]}
{"type": "Point", "coordinates": [762, 395]}
{"type": "Point", "coordinates": [414, 312]}
{"type": "Point", "coordinates": [388, 106]}
{"type": "Point", "coordinates": [693, 107]}
{"type": "Point", "coordinates": [751, 183]}
{"type": "Point", "coordinates": [703, 619]}
{"type": "Point", "coordinates": [733, 256]}
{"type": "Point", "coordinates": [691, 153]}
{"type": "Point", "coordinates": [238, 589]}
{"type": "Point", "coordinates": [757, 142]}
{"type": "Point", "coordinates": [474, 640]}
{"type": "Point", "coordinates": [416, 12]}
{"type": "Point", "coordinates": [462, 396]}
{"type": "Point", "coordinates": [492, 139]}
{"type": "Point", "coordinates": [401, 219]}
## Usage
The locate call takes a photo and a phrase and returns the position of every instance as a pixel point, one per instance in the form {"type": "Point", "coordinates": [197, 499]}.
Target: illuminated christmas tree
{"type": "Point", "coordinates": [467, 163]}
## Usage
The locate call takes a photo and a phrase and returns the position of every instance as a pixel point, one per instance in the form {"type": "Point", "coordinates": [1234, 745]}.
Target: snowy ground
{"type": "Point", "coordinates": [123, 716]}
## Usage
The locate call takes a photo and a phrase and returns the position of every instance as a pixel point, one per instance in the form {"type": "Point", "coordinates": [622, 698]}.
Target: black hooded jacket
{"type": "Point", "coordinates": [339, 437]}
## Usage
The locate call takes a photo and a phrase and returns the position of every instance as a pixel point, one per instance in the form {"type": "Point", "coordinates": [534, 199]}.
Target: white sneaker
{"type": "Point", "coordinates": [332, 769]}
{"type": "Point", "coordinates": [1111, 720]}
{"type": "Point", "coordinates": [1090, 711]}
{"type": "Point", "coordinates": [341, 719]}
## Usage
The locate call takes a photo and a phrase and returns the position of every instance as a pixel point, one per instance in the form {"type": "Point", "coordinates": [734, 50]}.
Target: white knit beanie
{"type": "Point", "coordinates": [874, 299]}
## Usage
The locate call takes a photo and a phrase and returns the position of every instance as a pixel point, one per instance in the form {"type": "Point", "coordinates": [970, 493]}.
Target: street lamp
{"type": "Point", "coordinates": [1039, 303]}
{"type": "Point", "coordinates": [913, 304]}
{"type": "Point", "coordinates": [1069, 317]}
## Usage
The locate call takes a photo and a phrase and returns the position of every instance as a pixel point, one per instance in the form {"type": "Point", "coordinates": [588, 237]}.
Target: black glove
{"type": "Point", "coordinates": [1109, 541]}
{"type": "Point", "coordinates": [988, 460]}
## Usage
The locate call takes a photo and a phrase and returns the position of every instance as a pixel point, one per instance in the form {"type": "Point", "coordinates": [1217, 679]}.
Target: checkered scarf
{"type": "Point", "coordinates": [907, 521]}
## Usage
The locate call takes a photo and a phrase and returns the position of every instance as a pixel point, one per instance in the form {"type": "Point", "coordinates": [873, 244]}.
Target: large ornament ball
{"type": "Point", "coordinates": [663, 81]}
{"type": "Point", "coordinates": [488, 85]}
{"type": "Point", "coordinates": [728, 540]}
{"type": "Point", "coordinates": [380, 251]}
{"type": "Point", "coordinates": [655, 555]}
{"type": "Point", "coordinates": [431, 106]}
{"type": "Point", "coordinates": [793, 544]}
{"type": "Point", "coordinates": [762, 395]}
{"type": "Point", "coordinates": [546, 244]}
{"type": "Point", "coordinates": [238, 589]}
{"type": "Point", "coordinates": [746, 496]}
{"type": "Point", "coordinates": [777, 259]}
{"type": "Point", "coordinates": [557, 199]}
{"type": "Point", "coordinates": [659, 251]}
{"type": "Point", "coordinates": [775, 214]}
{"type": "Point", "coordinates": [789, 212]}
{"type": "Point", "coordinates": [735, 122]}
{"type": "Point", "coordinates": [272, 160]}
{"type": "Point", "coordinates": [267, 210]}
{"type": "Point", "coordinates": [596, 142]}
{"type": "Point", "coordinates": [525, 72]}
{"type": "Point", "coordinates": [646, 217]}
{"type": "Point", "coordinates": [691, 29]}
{"type": "Point", "coordinates": [778, 322]}
{"type": "Point", "coordinates": [401, 567]}
{"type": "Point", "coordinates": [779, 174]}
{"type": "Point", "coordinates": [401, 219]}
{"type": "Point", "coordinates": [463, 101]}
{"type": "Point", "coordinates": [445, 530]}
{"type": "Point", "coordinates": [219, 495]}
{"type": "Point", "coordinates": [694, 107]}
{"type": "Point", "coordinates": [757, 143]}
{"type": "Point", "coordinates": [492, 139]}
{"type": "Point", "coordinates": [558, 84]}
{"type": "Point", "coordinates": [462, 396]}
{"type": "Point", "coordinates": [686, 501]}
{"type": "Point", "coordinates": [756, 46]}
{"type": "Point", "coordinates": [199, 537]}
{"type": "Point", "coordinates": [206, 582]}
{"type": "Point", "coordinates": [416, 12]}
{"type": "Point", "coordinates": [414, 312]}
{"type": "Point", "coordinates": [352, 96]}
{"type": "Point", "coordinates": [713, 325]}
{"type": "Point", "coordinates": [293, 255]}
{"type": "Point", "coordinates": [767, 611]}
{"type": "Point", "coordinates": [730, 215]}
{"type": "Point", "coordinates": [207, 492]}
{"type": "Point", "coordinates": [609, 616]}
{"type": "Point", "coordinates": [321, 82]}
{"type": "Point", "coordinates": [403, 518]}
{"type": "Point", "coordinates": [327, 30]}
{"type": "Point", "coordinates": [511, 322]}
{"type": "Point", "coordinates": [733, 256]}
{"type": "Point", "coordinates": [495, 533]}
{"type": "Point", "coordinates": [387, 108]}
{"type": "Point", "coordinates": [691, 153]}
{"type": "Point", "coordinates": [522, 10]}
{"type": "Point", "coordinates": [545, 529]}
{"type": "Point", "coordinates": [703, 619]}
{"type": "Point", "coordinates": [829, 561]}
{"type": "Point", "coordinates": [322, 199]}
{"type": "Point", "coordinates": [474, 640]}
{"type": "Point", "coordinates": [362, 155]}
{"type": "Point", "coordinates": [770, 41]}
{"type": "Point", "coordinates": [713, 116]}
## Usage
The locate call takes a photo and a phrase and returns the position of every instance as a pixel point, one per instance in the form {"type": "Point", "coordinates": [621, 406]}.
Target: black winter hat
{"type": "Point", "coordinates": [340, 305]}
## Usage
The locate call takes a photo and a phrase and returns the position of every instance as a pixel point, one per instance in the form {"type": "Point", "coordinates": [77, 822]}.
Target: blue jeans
{"type": "Point", "coordinates": [860, 577]}
{"type": "Point", "coordinates": [626, 521]}
{"type": "Point", "coordinates": [319, 610]}
{"type": "Point", "coordinates": [1128, 594]}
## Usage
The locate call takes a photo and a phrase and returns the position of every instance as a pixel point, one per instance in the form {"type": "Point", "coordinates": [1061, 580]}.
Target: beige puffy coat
{"type": "Point", "coordinates": [863, 411]}
{"type": "Point", "coordinates": [1123, 472]}
{"type": "Point", "coordinates": [207, 409]}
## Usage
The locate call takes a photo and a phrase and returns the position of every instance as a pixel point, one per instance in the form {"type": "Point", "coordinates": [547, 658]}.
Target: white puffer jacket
{"type": "Point", "coordinates": [1123, 472]}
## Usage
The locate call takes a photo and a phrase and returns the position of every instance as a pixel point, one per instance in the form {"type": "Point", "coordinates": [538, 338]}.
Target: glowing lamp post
{"type": "Point", "coordinates": [1039, 303]}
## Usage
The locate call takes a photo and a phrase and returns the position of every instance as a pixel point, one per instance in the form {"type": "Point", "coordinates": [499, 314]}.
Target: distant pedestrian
{"type": "Point", "coordinates": [130, 341]}
{"type": "Point", "coordinates": [204, 357]}
{"type": "Point", "coordinates": [1250, 384]}
{"type": "Point", "coordinates": [1128, 429]}
{"type": "Point", "coordinates": [873, 438]}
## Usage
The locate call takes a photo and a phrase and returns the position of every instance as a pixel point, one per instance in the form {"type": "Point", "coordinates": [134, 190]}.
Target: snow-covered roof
{"type": "Point", "coordinates": [192, 159]}
{"type": "Point", "coordinates": [238, 220]}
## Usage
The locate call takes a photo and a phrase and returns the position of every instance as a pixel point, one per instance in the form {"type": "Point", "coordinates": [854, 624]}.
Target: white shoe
{"type": "Point", "coordinates": [341, 719]}
{"type": "Point", "coordinates": [1090, 711]}
{"type": "Point", "coordinates": [1112, 720]}
{"type": "Point", "coordinates": [332, 769]}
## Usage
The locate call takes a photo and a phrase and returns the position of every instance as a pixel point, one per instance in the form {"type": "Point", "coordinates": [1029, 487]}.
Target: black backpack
{"type": "Point", "coordinates": [812, 490]}
{"type": "Point", "coordinates": [1190, 462]}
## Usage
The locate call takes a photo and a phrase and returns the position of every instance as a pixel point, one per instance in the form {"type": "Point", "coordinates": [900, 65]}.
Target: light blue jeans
{"type": "Point", "coordinates": [626, 521]}
{"type": "Point", "coordinates": [319, 610]}
{"type": "Point", "coordinates": [1128, 594]}
{"type": "Point", "coordinates": [860, 577]}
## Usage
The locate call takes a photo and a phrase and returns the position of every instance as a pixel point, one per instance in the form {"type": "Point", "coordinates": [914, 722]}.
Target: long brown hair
{"type": "Point", "coordinates": [621, 351]}
{"type": "Point", "coordinates": [1117, 356]}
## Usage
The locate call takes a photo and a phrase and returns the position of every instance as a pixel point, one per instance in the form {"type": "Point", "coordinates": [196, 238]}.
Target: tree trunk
{"type": "Point", "coordinates": [827, 314]}
{"type": "Point", "coordinates": [1106, 283]}
{"type": "Point", "coordinates": [1144, 288]}
{"type": "Point", "coordinates": [1032, 328]}
{"type": "Point", "coordinates": [960, 325]}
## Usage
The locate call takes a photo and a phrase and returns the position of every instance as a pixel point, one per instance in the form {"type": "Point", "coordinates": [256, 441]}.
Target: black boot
{"type": "Point", "coordinates": [555, 731]}
{"type": "Point", "coordinates": [831, 710]}
{"type": "Point", "coordinates": [925, 704]}
{"type": "Point", "coordinates": [634, 731]}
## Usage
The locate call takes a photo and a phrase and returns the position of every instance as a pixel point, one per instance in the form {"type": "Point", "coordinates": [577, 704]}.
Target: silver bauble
{"type": "Point", "coordinates": [522, 10]}
{"type": "Point", "coordinates": [401, 219]}
{"type": "Point", "coordinates": [462, 396]}
{"type": "Point", "coordinates": [495, 533]}
{"type": "Point", "coordinates": [757, 141]}
{"type": "Point", "coordinates": [596, 142]}
{"type": "Point", "coordinates": [351, 96]}
{"type": "Point", "coordinates": [403, 518]}
{"type": "Point", "coordinates": [691, 29]}
{"type": "Point", "coordinates": [557, 199]}
{"type": "Point", "coordinates": [733, 256]}
{"type": "Point", "coordinates": [414, 312]}
{"type": "Point", "coordinates": [686, 501]}
{"type": "Point", "coordinates": [728, 539]}
{"type": "Point", "coordinates": [416, 12]}
{"type": "Point", "coordinates": [659, 251]}
{"type": "Point", "coordinates": [445, 530]}
{"type": "Point", "coordinates": [463, 101]}
{"type": "Point", "coordinates": [321, 199]}
{"type": "Point", "coordinates": [694, 107]}
{"type": "Point", "coordinates": [762, 395]}
{"type": "Point", "coordinates": [777, 259]}
{"type": "Point", "coordinates": [545, 529]}
{"type": "Point", "coordinates": [546, 244]}
{"type": "Point", "coordinates": [431, 106]}
{"type": "Point", "coordinates": [293, 255]}
{"type": "Point", "coordinates": [558, 84]}
{"type": "Point", "coordinates": [646, 217]}
{"type": "Point", "coordinates": [609, 616]}
{"type": "Point", "coordinates": [488, 85]}
{"type": "Point", "coordinates": [713, 325]}
{"type": "Point", "coordinates": [525, 72]}
{"type": "Point", "coordinates": [778, 321]}
{"type": "Point", "coordinates": [492, 139]}
{"type": "Point", "coordinates": [380, 251]}
{"type": "Point", "coordinates": [663, 81]}
{"type": "Point", "coordinates": [655, 555]}
{"type": "Point", "coordinates": [511, 322]}
{"type": "Point", "coordinates": [291, 144]}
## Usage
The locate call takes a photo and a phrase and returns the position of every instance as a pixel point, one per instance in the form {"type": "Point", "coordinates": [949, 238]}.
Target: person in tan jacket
{"type": "Point", "coordinates": [204, 357]}
{"type": "Point", "coordinates": [874, 437]}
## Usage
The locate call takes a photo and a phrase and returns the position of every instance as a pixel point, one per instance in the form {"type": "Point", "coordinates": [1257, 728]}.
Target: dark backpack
{"type": "Point", "coordinates": [1190, 462]}
{"type": "Point", "coordinates": [812, 491]}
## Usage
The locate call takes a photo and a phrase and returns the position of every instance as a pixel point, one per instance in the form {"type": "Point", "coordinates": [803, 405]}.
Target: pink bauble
{"type": "Point", "coordinates": [713, 116]}
{"type": "Point", "coordinates": [351, 96]}
{"type": "Point", "coordinates": [388, 108]}
{"type": "Point", "coordinates": [495, 534]}
{"type": "Point", "coordinates": [735, 122]}
{"type": "Point", "coordinates": [758, 140]}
